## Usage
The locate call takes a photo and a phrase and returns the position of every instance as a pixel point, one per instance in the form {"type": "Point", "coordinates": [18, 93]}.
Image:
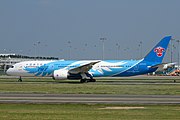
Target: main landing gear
{"type": "Point", "coordinates": [20, 79]}
{"type": "Point", "coordinates": [86, 77]}
{"type": "Point", "coordinates": [87, 80]}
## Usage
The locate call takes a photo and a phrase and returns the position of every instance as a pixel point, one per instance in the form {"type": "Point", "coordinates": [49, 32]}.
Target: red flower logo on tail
{"type": "Point", "coordinates": [159, 51]}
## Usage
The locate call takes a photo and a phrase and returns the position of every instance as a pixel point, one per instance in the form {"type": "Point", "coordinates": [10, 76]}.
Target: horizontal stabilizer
{"type": "Point", "coordinates": [158, 65]}
{"type": "Point", "coordinates": [163, 65]}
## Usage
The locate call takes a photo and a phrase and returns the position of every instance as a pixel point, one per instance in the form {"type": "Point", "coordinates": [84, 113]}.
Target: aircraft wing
{"type": "Point", "coordinates": [84, 68]}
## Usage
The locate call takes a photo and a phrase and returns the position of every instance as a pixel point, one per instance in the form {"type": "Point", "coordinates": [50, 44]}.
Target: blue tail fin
{"type": "Point", "coordinates": [158, 52]}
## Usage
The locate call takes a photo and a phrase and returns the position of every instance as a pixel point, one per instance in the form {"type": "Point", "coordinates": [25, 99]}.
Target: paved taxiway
{"type": "Point", "coordinates": [92, 98]}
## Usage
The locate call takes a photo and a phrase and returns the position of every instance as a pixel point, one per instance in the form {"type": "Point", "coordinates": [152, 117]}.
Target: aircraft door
{"type": "Point", "coordinates": [20, 67]}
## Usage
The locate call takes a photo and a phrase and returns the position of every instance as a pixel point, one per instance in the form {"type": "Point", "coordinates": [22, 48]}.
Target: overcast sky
{"type": "Point", "coordinates": [71, 29]}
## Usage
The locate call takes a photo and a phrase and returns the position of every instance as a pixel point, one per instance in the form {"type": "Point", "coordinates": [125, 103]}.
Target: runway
{"type": "Point", "coordinates": [88, 99]}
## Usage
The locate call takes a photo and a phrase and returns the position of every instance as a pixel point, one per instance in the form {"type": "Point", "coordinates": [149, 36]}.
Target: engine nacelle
{"type": "Point", "coordinates": [60, 74]}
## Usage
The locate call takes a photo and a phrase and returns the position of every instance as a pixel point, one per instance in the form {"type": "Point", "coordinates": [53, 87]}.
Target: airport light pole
{"type": "Point", "coordinates": [4, 51]}
{"type": "Point", "coordinates": [103, 39]}
{"type": "Point", "coordinates": [85, 49]}
{"type": "Point", "coordinates": [178, 52]}
{"type": "Point", "coordinates": [20, 51]}
{"type": "Point", "coordinates": [35, 50]}
{"type": "Point", "coordinates": [140, 49]}
{"type": "Point", "coordinates": [118, 49]}
{"type": "Point", "coordinates": [172, 49]}
{"type": "Point", "coordinates": [69, 42]}
{"type": "Point", "coordinates": [38, 45]}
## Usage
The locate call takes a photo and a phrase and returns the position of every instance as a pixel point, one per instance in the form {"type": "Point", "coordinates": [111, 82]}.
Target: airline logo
{"type": "Point", "coordinates": [159, 51]}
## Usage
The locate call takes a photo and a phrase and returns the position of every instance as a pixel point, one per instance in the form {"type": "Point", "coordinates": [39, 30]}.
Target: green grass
{"type": "Point", "coordinates": [87, 112]}
{"type": "Point", "coordinates": [91, 89]}
{"type": "Point", "coordinates": [74, 87]}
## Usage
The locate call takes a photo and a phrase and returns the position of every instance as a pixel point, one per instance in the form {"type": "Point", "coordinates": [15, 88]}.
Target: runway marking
{"type": "Point", "coordinates": [121, 108]}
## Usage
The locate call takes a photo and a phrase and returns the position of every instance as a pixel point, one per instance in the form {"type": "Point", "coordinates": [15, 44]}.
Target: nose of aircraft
{"type": "Point", "coordinates": [9, 71]}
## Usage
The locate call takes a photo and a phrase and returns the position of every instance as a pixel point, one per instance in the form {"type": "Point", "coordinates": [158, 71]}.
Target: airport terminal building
{"type": "Point", "coordinates": [7, 60]}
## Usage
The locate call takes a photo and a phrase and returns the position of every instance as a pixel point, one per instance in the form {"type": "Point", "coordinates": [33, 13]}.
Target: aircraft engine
{"type": "Point", "coordinates": [60, 74]}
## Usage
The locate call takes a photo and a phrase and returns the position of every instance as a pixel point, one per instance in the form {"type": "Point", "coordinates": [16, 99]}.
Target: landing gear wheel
{"type": "Point", "coordinates": [20, 79]}
{"type": "Point", "coordinates": [92, 80]}
{"type": "Point", "coordinates": [87, 80]}
{"type": "Point", "coordinates": [83, 80]}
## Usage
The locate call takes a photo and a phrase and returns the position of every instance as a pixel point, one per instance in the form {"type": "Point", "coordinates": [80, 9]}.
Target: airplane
{"type": "Point", "coordinates": [87, 70]}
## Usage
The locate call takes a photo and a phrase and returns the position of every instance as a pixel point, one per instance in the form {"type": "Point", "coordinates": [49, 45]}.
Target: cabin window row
{"type": "Point", "coordinates": [34, 64]}
{"type": "Point", "coordinates": [114, 66]}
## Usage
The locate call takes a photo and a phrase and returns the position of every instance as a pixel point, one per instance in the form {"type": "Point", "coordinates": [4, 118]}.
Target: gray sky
{"type": "Point", "coordinates": [50, 24]}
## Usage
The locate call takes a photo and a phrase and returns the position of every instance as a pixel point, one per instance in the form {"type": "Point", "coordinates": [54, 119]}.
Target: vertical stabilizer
{"type": "Point", "coordinates": [158, 52]}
